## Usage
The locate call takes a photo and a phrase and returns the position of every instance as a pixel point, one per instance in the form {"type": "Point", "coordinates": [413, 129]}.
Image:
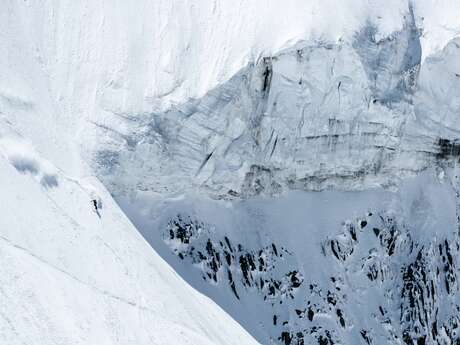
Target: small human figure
{"type": "Point", "coordinates": [96, 207]}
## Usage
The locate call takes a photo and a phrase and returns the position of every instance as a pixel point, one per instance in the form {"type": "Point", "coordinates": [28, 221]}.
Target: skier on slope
{"type": "Point", "coordinates": [97, 204]}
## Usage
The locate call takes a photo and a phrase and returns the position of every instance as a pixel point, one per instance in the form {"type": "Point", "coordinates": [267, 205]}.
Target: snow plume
{"type": "Point", "coordinates": [25, 159]}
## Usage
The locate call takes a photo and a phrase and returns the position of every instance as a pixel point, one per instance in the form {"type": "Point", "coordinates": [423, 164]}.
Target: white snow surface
{"type": "Point", "coordinates": [71, 276]}
{"type": "Point", "coordinates": [167, 96]}
{"type": "Point", "coordinates": [68, 65]}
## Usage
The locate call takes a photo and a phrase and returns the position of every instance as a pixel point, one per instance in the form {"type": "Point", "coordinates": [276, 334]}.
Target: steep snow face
{"type": "Point", "coordinates": [353, 114]}
{"type": "Point", "coordinates": [71, 66]}
{"type": "Point", "coordinates": [73, 274]}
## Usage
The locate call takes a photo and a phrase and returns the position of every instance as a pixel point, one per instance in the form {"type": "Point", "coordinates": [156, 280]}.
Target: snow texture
{"type": "Point", "coordinates": [71, 277]}
{"type": "Point", "coordinates": [369, 267]}
{"type": "Point", "coordinates": [363, 111]}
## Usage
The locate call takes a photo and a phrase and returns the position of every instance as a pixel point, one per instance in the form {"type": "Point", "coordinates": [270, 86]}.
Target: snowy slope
{"type": "Point", "coordinates": [69, 276]}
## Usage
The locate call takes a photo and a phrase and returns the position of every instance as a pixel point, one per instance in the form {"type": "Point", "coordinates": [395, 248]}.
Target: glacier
{"type": "Point", "coordinates": [211, 172]}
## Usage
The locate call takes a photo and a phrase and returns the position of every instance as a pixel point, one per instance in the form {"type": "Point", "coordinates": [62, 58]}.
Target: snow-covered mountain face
{"type": "Point", "coordinates": [295, 161]}
{"type": "Point", "coordinates": [351, 114]}
{"type": "Point", "coordinates": [373, 267]}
